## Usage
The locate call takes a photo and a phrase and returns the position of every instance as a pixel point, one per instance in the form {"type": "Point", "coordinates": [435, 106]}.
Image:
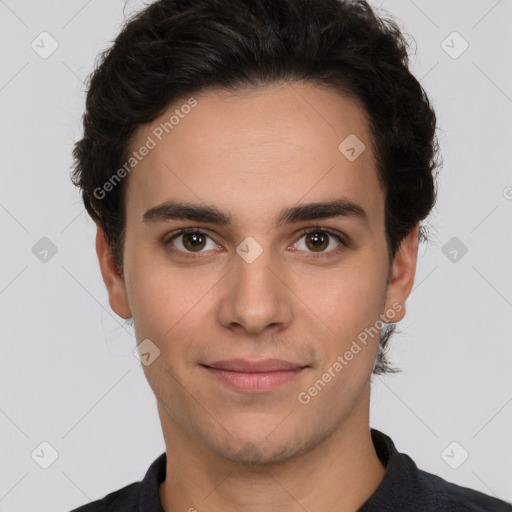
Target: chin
{"type": "Point", "coordinates": [260, 454]}
{"type": "Point", "coordinates": [263, 449]}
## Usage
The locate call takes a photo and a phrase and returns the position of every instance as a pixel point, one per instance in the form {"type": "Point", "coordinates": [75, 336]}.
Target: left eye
{"type": "Point", "coordinates": [318, 240]}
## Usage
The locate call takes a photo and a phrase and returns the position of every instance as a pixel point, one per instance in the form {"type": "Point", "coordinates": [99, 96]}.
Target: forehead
{"type": "Point", "coordinates": [256, 150]}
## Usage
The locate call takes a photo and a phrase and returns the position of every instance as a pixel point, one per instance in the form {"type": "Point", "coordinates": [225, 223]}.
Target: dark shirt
{"type": "Point", "coordinates": [404, 488]}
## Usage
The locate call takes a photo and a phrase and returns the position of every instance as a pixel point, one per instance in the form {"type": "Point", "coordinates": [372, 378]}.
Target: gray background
{"type": "Point", "coordinates": [67, 373]}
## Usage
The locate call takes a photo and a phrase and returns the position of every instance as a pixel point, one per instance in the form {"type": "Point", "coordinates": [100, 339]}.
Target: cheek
{"type": "Point", "coordinates": [154, 286]}
{"type": "Point", "coordinates": [166, 302]}
{"type": "Point", "coordinates": [352, 295]}
{"type": "Point", "coordinates": [350, 308]}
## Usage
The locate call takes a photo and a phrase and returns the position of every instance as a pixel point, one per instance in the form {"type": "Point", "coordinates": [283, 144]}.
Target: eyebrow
{"type": "Point", "coordinates": [172, 210]}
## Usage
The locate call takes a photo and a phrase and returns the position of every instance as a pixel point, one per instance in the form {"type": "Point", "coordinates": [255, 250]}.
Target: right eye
{"type": "Point", "coordinates": [190, 240]}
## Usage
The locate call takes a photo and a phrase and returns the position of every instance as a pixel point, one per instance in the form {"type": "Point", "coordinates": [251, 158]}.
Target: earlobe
{"type": "Point", "coordinates": [114, 282]}
{"type": "Point", "coordinates": [402, 277]}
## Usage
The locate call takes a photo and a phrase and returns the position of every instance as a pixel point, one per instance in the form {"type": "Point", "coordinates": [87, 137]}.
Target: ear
{"type": "Point", "coordinates": [402, 276]}
{"type": "Point", "coordinates": [114, 282]}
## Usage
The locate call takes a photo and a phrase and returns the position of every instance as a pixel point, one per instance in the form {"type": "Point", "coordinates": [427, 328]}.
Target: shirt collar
{"type": "Point", "coordinates": [401, 475]}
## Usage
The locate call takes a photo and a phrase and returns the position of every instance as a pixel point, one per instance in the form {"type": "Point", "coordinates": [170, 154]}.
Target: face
{"type": "Point", "coordinates": [249, 286]}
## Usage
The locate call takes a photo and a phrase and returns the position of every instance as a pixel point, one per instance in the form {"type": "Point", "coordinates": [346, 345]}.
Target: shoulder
{"type": "Point", "coordinates": [449, 496]}
{"type": "Point", "coordinates": [124, 500]}
{"type": "Point", "coordinates": [137, 496]}
{"type": "Point", "coordinates": [407, 488]}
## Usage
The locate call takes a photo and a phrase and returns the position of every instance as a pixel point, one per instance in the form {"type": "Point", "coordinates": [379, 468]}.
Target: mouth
{"type": "Point", "coordinates": [254, 376]}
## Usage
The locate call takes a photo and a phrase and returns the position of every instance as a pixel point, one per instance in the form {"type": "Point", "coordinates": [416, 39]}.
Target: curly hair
{"type": "Point", "coordinates": [174, 48]}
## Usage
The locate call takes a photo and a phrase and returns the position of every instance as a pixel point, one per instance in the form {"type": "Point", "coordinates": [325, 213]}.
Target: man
{"type": "Point", "coordinates": [258, 171]}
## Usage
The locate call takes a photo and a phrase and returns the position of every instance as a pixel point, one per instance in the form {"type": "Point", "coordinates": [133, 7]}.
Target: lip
{"type": "Point", "coordinates": [254, 376]}
{"type": "Point", "coordinates": [245, 365]}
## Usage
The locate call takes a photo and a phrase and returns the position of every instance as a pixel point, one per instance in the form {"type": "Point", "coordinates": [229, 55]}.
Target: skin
{"type": "Point", "coordinates": [252, 153]}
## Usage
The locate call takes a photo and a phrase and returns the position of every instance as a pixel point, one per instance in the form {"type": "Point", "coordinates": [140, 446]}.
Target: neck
{"type": "Point", "coordinates": [340, 473]}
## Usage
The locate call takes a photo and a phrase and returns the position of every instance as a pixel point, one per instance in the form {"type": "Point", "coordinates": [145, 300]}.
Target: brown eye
{"type": "Point", "coordinates": [193, 241]}
{"type": "Point", "coordinates": [317, 241]}
{"type": "Point", "coordinates": [190, 240]}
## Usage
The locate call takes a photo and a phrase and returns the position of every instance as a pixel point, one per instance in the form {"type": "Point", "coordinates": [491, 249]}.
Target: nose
{"type": "Point", "coordinates": [256, 296]}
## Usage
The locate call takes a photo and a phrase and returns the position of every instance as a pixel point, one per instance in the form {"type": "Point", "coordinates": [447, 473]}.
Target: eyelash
{"type": "Point", "coordinates": [343, 243]}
